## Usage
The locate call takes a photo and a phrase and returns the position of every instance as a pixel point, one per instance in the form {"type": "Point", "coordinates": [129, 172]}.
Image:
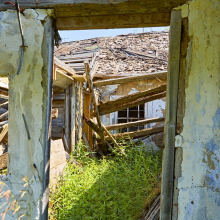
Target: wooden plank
{"type": "Point", "coordinates": [62, 80]}
{"type": "Point", "coordinates": [4, 103]}
{"type": "Point", "coordinates": [67, 117]}
{"type": "Point", "coordinates": [63, 66]}
{"type": "Point", "coordinates": [88, 113]}
{"type": "Point", "coordinates": [80, 120]}
{"type": "Point", "coordinates": [60, 64]}
{"type": "Point", "coordinates": [135, 78]}
{"type": "Point", "coordinates": [136, 134]}
{"type": "Point", "coordinates": [95, 104]}
{"type": "Point", "coordinates": [108, 110]}
{"type": "Point", "coordinates": [57, 132]}
{"type": "Point", "coordinates": [131, 98]}
{"type": "Point", "coordinates": [135, 123]}
{"type": "Point", "coordinates": [171, 115]}
{"type": "Point", "coordinates": [73, 117]}
{"type": "Point", "coordinates": [4, 131]}
{"type": "Point", "coordinates": [94, 69]}
{"type": "Point", "coordinates": [113, 140]}
{"type": "Point", "coordinates": [4, 115]}
{"type": "Point", "coordinates": [3, 161]}
{"type": "Point", "coordinates": [114, 21]}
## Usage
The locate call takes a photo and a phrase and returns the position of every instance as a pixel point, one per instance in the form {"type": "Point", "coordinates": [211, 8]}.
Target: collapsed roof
{"type": "Point", "coordinates": [123, 55]}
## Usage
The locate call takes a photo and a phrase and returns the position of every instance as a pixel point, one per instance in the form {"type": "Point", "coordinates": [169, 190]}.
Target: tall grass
{"type": "Point", "coordinates": [113, 187]}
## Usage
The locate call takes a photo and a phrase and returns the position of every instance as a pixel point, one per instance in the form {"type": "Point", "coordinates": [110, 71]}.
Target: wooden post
{"type": "Point", "coordinates": [67, 117]}
{"type": "Point", "coordinates": [80, 103]}
{"type": "Point", "coordinates": [95, 104]}
{"type": "Point", "coordinates": [171, 113]}
{"type": "Point", "coordinates": [73, 117]}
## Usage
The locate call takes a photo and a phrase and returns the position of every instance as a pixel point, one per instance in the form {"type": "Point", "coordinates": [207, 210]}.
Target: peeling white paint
{"type": "Point", "coordinates": [199, 195]}
{"type": "Point", "coordinates": [26, 97]}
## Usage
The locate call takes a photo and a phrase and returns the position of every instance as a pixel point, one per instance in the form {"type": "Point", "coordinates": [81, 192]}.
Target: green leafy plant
{"type": "Point", "coordinates": [113, 187]}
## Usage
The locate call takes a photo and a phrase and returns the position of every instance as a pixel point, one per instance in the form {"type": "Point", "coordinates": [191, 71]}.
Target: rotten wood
{"type": "Point", "coordinates": [106, 110]}
{"type": "Point", "coordinates": [131, 98]}
{"type": "Point", "coordinates": [135, 123]}
{"type": "Point", "coordinates": [95, 104]}
{"type": "Point", "coordinates": [135, 78]}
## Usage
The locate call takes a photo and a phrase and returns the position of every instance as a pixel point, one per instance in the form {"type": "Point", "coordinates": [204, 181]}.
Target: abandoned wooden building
{"type": "Point", "coordinates": [190, 177]}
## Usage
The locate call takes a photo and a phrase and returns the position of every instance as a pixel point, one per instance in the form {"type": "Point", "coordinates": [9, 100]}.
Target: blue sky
{"type": "Point", "coordinates": [87, 34]}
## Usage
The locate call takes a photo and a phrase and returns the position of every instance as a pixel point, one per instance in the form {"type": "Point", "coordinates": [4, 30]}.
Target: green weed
{"type": "Point", "coordinates": [113, 187]}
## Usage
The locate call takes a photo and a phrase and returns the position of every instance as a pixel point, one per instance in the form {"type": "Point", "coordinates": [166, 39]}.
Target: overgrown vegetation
{"type": "Point", "coordinates": [113, 187]}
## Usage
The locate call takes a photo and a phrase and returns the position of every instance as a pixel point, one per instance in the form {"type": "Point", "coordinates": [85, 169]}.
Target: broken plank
{"type": "Point", "coordinates": [132, 97]}
{"type": "Point", "coordinates": [135, 123]}
{"type": "Point", "coordinates": [63, 66]}
{"type": "Point", "coordinates": [107, 110]}
{"type": "Point", "coordinates": [62, 80]}
{"type": "Point", "coordinates": [130, 79]}
{"type": "Point", "coordinates": [90, 85]}
{"type": "Point", "coordinates": [136, 134]}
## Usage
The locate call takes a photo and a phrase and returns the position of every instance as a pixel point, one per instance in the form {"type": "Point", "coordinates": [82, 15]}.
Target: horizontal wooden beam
{"type": "Point", "coordinates": [62, 80]}
{"type": "Point", "coordinates": [136, 134]}
{"type": "Point", "coordinates": [108, 110]}
{"type": "Point", "coordinates": [128, 79]}
{"type": "Point", "coordinates": [113, 21]}
{"type": "Point", "coordinates": [131, 98]}
{"type": "Point", "coordinates": [134, 124]}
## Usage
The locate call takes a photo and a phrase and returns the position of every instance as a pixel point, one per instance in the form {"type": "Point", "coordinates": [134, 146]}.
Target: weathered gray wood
{"type": "Point", "coordinates": [132, 97]}
{"type": "Point", "coordinates": [171, 113]}
{"type": "Point", "coordinates": [80, 103]}
{"type": "Point", "coordinates": [136, 134]}
{"type": "Point", "coordinates": [135, 78]}
{"type": "Point", "coordinates": [134, 124]}
{"type": "Point", "coordinates": [67, 117]}
{"type": "Point", "coordinates": [95, 104]}
{"type": "Point", "coordinates": [4, 115]}
{"type": "Point", "coordinates": [57, 131]}
{"type": "Point", "coordinates": [106, 110]}
{"type": "Point", "coordinates": [62, 80]}
{"type": "Point", "coordinates": [113, 21]}
{"type": "Point", "coordinates": [73, 116]}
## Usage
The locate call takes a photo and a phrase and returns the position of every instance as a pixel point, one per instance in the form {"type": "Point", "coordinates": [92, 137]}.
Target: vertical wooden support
{"type": "Point", "coordinates": [171, 114]}
{"type": "Point", "coordinates": [48, 47]}
{"type": "Point", "coordinates": [80, 103]}
{"type": "Point", "coordinates": [88, 114]}
{"type": "Point", "coordinates": [73, 117]}
{"type": "Point", "coordinates": [96, 110]}
{"type": "Point", "coordinates": [67, 117]}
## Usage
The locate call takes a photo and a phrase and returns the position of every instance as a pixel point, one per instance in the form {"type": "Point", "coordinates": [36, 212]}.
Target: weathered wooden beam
{"type": "Point", "coordinates": [3, 115]}
{"type": "Point", "coordinates": [131, 98]}
{"type": "Point", "coordinates": [113, 21]}
{"type": "Point", "coordinates": [136, 134]}
{"type": "Point", "coordinates": [67, 118]}
{"type": "Point", "coordinates": [134, 124]}
{"type": "Point", "coordinates": [56, 132]}
{"type": "Point", "coordinates": [73, 117]}
{"type": "Point", "coordinates": [107, 110]}
{"type": "Point", "coordinates": [95, 104]}
{"type": "Point", "coordinates": [62, 80]}
{"type": "Point", "coordinates": [171, 115]}
{"type": "Point", "coordinates": [135, 78]}
{"type": "Point", "coordinates": [3, 103]}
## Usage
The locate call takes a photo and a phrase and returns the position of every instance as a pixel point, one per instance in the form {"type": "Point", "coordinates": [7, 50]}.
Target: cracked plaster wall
{"type": "Point", "coordinates": [27, 95]}
{"type": "Point", "coordinates": [199, 186]}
